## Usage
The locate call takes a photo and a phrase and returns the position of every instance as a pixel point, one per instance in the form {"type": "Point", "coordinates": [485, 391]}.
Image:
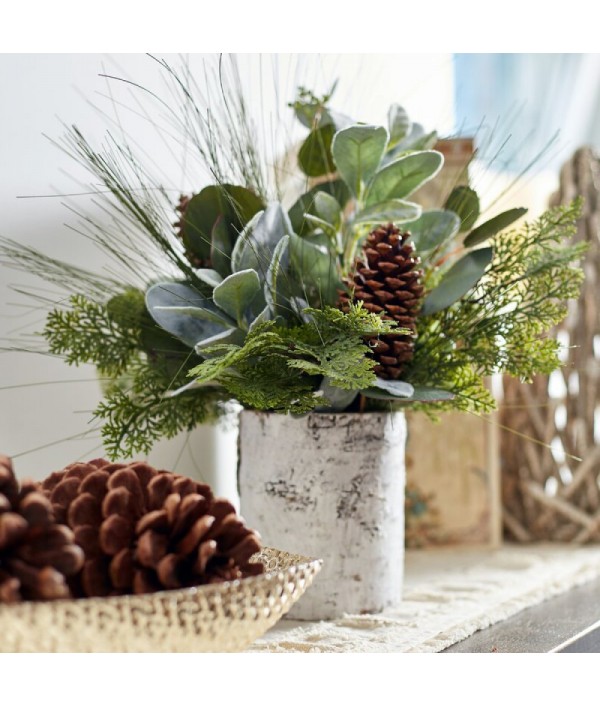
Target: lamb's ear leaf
{"type": "Point", "coordinates": [401, 178]}
{"type": "Point", "coordinates": [335, 398]}
{"type": "Point", "coordinates": [236, 293]}
{"type": "Point", "coordinates": [432, 229]}
{"type": "Point", "coordinates": [208, 276]}
{"type": "Point", "coordinates": [357, 151]}
{"type": "Point", "coordinates": [169, 303]}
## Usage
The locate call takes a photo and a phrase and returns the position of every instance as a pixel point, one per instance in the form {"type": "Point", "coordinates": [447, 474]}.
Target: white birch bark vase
{"type": "Point", "coordinates": [330, 486]}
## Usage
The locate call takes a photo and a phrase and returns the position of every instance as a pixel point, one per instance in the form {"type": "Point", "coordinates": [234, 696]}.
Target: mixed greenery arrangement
{"type": "Point", "coordinates": [353, 298]}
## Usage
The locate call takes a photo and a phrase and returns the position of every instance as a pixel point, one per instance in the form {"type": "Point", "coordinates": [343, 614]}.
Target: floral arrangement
{"type": "Point", "coordinates": [352, 298]}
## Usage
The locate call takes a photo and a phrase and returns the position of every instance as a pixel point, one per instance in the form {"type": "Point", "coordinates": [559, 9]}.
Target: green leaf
{"type": "Point", "coordinates": [433, 228]}
{"type": "Point", "coordinates": [220, 247]}
{"type": "Point", "coordinates": [398, 388]}
{"type": "Point", "coordinates": [392, 211]}
{"type": "Point", "coordinates": [234, 336]}
{"type": "Point", "coordinates": [430, 394]}
{"type": "Point", "coordinates": [170, 304]}
{"type": "Point", "coordinates": [327, 208]}
{"type": "Point", "coordinates": [234, 204]}
{"type": "Point", "coordinates": [236, 293]}
{"type": "Point", "coordinates": [274, 297]}
{"type": "Point", "coordinates": [337, 398]}
{"type": "Point", "coordinates": [306, 204]}
{"type": "Point", "coordinates": [493, 226]}
{"type": "Point", "coordinates": [208, 276]}
{"type": "Point", "coordinates": [315, 157]}
{"type": "Point", "coordinates": [399, 124]}
{"type": "Point", "coordinates": [315, 270]}
{"type": "Point", "coordinates": [465, 203]}
{"type": "Point", "coordinates": [404, 176]}
{"type": "Point", "coordinates": [459, 279]}
{"type": "Point", "coordinates": [357, 152]}
{"type": "Point", "coordinates": [256, 244]}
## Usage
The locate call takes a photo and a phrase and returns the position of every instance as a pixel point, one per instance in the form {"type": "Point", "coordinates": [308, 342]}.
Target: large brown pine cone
{"type": "Point", "coordinates": [36, 553]}
{"type": "Point", "coordinates": [388, 281]}
{"type": "Point", "coordinates": [143, 530]}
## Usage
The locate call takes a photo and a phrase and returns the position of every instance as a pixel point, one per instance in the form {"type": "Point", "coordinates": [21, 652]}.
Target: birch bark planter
{"type": "Point", "coordinates": [330, 486]}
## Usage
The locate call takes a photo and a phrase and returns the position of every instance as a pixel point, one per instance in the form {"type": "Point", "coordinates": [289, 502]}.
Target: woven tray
{"type": "Point", "coordinates": [224, 617]}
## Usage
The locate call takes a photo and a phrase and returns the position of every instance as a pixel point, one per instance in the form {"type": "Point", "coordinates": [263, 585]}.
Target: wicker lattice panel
{"type": "Point", "coordinates": [547, 494]}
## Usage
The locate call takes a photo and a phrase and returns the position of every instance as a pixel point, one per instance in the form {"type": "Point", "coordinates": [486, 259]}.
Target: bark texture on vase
{"type": "Point", "coordinates": [330, 486]}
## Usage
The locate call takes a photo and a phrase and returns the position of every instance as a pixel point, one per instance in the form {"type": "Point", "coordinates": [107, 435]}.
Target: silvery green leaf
{"type": "Point", "coordinates": [299, 306]}
{"type": "Point", "coordinates": [391, 211]}
{"type": "Point", "coordinates": [208, 276]}
{"type": "Point", "coordinates": [327, 208]}
{"type": "Point", "coordinates": [315, 268]}
{"type": "Point", "coordinates": [273, 295]}
{"type": "Point", "coordinates": [242, 254]}
{"type": "Point", "coordinates": [404, 176]}
{"type": "Point", "coordinates": [256, 244]}
{"type": "Point", "coordinates": [334, 398]}
{"type": "Point", "coordinates": [168, 303]}
{"type": "Point", "coordinates": [325, 226]}
{"type": "Point", "coordinates": [266, 314]}
{"type": "Point", "coordinates": [459, 279]}
{"type": "Point", "coordinates": [399, 124]}
{"type": "Point", "coordinates": [236, 293]}
{"type": "Point", "coordinates": [433, 228]}
{"type": "Point", "coordinates": [357, 152]}
{"type": "Point", "coordinates": [231, 335]}
{"type": "Point", "coordinates": [431, 394]}
{"type": "Point", "coordinates": [493, 226]}
{"type": "Point", "coordinates": [398, 388]}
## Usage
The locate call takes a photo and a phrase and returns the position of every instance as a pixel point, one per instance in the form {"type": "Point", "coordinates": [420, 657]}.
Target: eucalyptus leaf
{"type": "Point", "coordinates": [325, 226]}
{"type": "Point", "coordinates": [234, 205]}
{"type": "Point", "coordinates": [432, 229]}
{"type": "Point", "coordinates": [431, 394]}
{"type": "Point", "coordinates": [357, 152]}
{"type": "Point", "coordinates": [236, 293]}
{"type": "Point", "coordinates": [493, 226]}
{"type": "Point", "coordinates": [162, 298]}
{"type": "Point", "coordinates": [220, 247]}
{"type": "Point", "coordinates": [267, 314]}
{"type": "Point", "coordinates": [207, 312]}
{"type": "Point", "coordinates": [404, 176]}
{"type": "Point", "coordinates": [392, 211]}
{"type": "Point", "coordinates": [399, 124]}
{"type": "Point", "coordinates": [463, 200]}
{"type": "Point", "coordinates": [315, 158]}
{"type": "Point", "coordinates": [459, 279]}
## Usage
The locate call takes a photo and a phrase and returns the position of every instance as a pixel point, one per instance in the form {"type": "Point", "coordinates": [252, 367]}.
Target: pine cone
{"type": "Point", "coordinates": [36, 553]}
{"type": "Point", "coordinates": [144, 530]}
{"type": "Point", "coordinates": [387, 280]}
{"type": "Point", "coordinates": [193, 259]}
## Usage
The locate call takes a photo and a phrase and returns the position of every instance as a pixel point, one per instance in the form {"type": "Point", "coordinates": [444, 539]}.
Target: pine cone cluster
{"type": "Point", "coordinates": [36, 553]}
{"type": "Point", "coordinates": [144, 530]}
{"type": "Point", "coordinates": [179, 225]}
{"type": "Point", "coordinates": [388, 281]}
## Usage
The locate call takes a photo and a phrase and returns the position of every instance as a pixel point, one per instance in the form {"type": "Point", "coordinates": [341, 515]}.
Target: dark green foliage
{"type": "Point", "coordinates": [499, 326]}
{"type": "Point", "coordinates": [284, 366]}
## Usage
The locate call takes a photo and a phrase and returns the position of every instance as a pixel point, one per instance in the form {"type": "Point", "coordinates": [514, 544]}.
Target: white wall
{"type": "Point", "coordinates": [39, 91]}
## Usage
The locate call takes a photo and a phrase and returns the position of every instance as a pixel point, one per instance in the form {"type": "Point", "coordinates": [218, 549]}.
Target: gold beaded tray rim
{"type": "Point", "coordinates": [177, 620]}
